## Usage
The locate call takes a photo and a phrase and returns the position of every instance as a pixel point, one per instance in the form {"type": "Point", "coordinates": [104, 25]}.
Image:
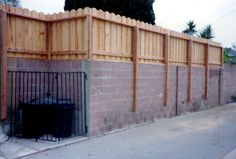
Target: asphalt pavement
{"type": "Point", "coordinates": [209, 134]}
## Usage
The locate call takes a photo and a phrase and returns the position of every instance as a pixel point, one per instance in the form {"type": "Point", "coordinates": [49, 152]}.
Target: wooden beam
{"type": "Point", "coordinates": [70, 52]}
{"type": "Point", "coordinates": [112, 21]}
{"type": "Point", "coordinates": [190, 45]}
{"type": "Point", "coordinates": [27, 17]}
{"type": "Point", "coordinates": [206, 70]}
{"type": "Point", "coordinates": [222, 56]}
{"type": "Point", "coordinates": [26, 51]}
{"type": "Point", "coordinates": [166, 54]}
{"type": "Point", "coordinates": [115, 54]}
{"type": "Point", "coordinates": [69, 18]}
{"type": "Point", "coordinates": [3, 55]}
{"type": "Point", "coordinates": [135, 37]}
{"type": "Point", "coordinates": [152, 58]}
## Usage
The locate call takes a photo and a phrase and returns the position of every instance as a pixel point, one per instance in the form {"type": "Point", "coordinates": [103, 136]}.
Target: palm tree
{"type": "Point", "coordinates": [207, 33]}
{"type": "Point", "coordinates": [191, 28]}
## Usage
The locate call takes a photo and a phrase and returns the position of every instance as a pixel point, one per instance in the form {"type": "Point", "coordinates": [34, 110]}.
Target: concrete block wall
{"type": "Point", "coordinates": [150, 92]}
{"type": "Point", "coordinates": [110, 90]}
{"type": "Point", "coordinates": [229, 81]}
{"type": "Point", "coordinates": [35, 90]}
{"type": "Point", "coordinates": [198, 89]}
{"type": "Point", "coordinates": [20, 64]}
{"type": "Point", "coordinates": [214, 87]}
{"type": "Point", "coordinates": [111, 94]}
{"type": "Point", "coordinates": [182, 104]}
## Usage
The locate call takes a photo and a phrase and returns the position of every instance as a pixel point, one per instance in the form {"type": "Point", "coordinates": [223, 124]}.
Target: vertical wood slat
{"type": "Point", "coordinates": [190, 46]}
{"type": "Point", "coordinates": [27, 31]}
{"type": "Point", "coordinates": [72, 32]}
{"type": "Point", "coordinates": [135, 37]}
{"type": "Point", "coordinates": [49, 39]}
{"type": "Point", "coordinates": [65, 33]}
{"type": "Point", "coordinates": [166, 55]}
{"type": "Point", "coordinates": [3, 54]}
{"type": "Point", "coordinates": [59, 31]}
{"type": "Point", "coordinates": [35, 30]}
{"type": "Point", "coordinates": [124, 31]}
{"type": "Point", "coordinates": [54, 33]}
{"type": "Point", "coordinates": [206, 70]}
{"type": "Point", "coordinates": [90, 35]}
{"type": "Point", "coordinates": [108, 34]}
{"type": "Point", "coordinates": [12, 31]}
{"type": "Point", "coordinates": [19, 30]}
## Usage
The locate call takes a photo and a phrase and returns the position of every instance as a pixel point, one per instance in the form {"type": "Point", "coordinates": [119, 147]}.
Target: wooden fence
{"type": "Point", "coordinates": [103, 35]}
{"type": "Point", "coordinates": [96, 35]}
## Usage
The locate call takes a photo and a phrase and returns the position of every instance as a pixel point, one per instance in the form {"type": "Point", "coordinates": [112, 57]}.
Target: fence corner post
{"type": "Point", "coordinates": [222, 56]}
{"type": "Point", "coordinates": [135, 36]}
{"type": "Point", "coordinates": [190, 45]}
{"type": "Point", "coordinates": [166, 61]}
{"type": "Point", "coordinates": [206, 71]}
{"type": "Point", "coordinates": [3, 58]}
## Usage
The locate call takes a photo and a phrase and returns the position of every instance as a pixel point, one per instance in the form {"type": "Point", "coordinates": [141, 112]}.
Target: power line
{"type": "Point", "coordinates": [214, 21]}
{"type": "Point", "coordinates": [226, 15]}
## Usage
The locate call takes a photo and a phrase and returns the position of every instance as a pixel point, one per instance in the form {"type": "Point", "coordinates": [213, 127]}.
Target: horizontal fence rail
{"type": "Point", "coordinates": [47, 105]}
{"type": "Point", "coordinates": [98, 35]}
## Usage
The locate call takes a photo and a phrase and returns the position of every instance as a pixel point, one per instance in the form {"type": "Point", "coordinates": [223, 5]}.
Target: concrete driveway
{"type": "Point", "coordinates": [208, 134]}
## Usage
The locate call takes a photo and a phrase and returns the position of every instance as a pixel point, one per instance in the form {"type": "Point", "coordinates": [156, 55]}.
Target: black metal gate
{"type": "Point", "coordinates": [47, 105]}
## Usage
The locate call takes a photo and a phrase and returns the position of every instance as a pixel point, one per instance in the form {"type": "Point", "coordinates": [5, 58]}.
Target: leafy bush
{"type": "Point", "coordinates": [230, 55]}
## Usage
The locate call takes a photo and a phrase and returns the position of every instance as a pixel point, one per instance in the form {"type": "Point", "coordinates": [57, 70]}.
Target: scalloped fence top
{"type": "Point", "coordinates": [103, 15]}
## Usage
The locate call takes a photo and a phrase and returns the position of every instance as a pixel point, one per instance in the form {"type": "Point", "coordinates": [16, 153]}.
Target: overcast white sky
{"type": "Point", "coordinates": [174, 14]}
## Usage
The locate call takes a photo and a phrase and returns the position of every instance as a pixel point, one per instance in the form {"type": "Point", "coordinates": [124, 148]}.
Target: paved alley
{"type": "Point", "coordinates": [209, 134]}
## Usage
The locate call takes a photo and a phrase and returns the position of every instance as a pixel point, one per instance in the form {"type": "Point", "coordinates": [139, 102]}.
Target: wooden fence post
{"type": "Point", "coordinates": [190, 45]}
{"type": "Point", "coordinates": [206, 70]}
{"type": "Point", "coordinates": [166, 54]}
{"type": "Point", "coordinates": [135, 37]}
{"type": "Point", "coordinates": [3, 55]}
{"type": "Point", "coordinates": [222, 56]}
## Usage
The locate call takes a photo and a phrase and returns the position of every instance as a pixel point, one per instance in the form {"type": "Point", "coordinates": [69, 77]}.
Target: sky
{"type": "Point", "coordinates": [174, 14]}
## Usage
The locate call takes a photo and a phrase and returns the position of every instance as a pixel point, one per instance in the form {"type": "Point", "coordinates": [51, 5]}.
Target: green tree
{"type": "Point", "coordinates": [234, 47]}
{"type": "Point", "coordinates": [14, 3]}
{"type": "Point", "coordinates": [137, 9]}
{"type": "Point", "coordinates": [230, 54]}
{"type": "Point", "coordinates": [207, 33]}
{"type": "Point", "coordinates": [191, 28]}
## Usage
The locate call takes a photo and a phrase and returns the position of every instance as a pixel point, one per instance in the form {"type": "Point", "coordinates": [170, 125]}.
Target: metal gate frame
{"type": "Point", "coordinates": [26, 87]}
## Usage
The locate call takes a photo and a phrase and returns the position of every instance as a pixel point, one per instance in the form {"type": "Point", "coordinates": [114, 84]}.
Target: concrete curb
{"type": "Point", "coordinates": [54, 147]}
{"type": "Point", "coordinates": [18, 148]}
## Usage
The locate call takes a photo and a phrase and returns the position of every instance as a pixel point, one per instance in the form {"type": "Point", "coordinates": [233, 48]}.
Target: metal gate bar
{"type": "Point", "coordinates": [42, 104]}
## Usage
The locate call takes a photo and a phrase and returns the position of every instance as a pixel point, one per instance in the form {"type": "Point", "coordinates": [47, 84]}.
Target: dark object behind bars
{"type": "Point", "coordinates": [47, 105]}
{"type": "Point", "coordinates": [47, 116]}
